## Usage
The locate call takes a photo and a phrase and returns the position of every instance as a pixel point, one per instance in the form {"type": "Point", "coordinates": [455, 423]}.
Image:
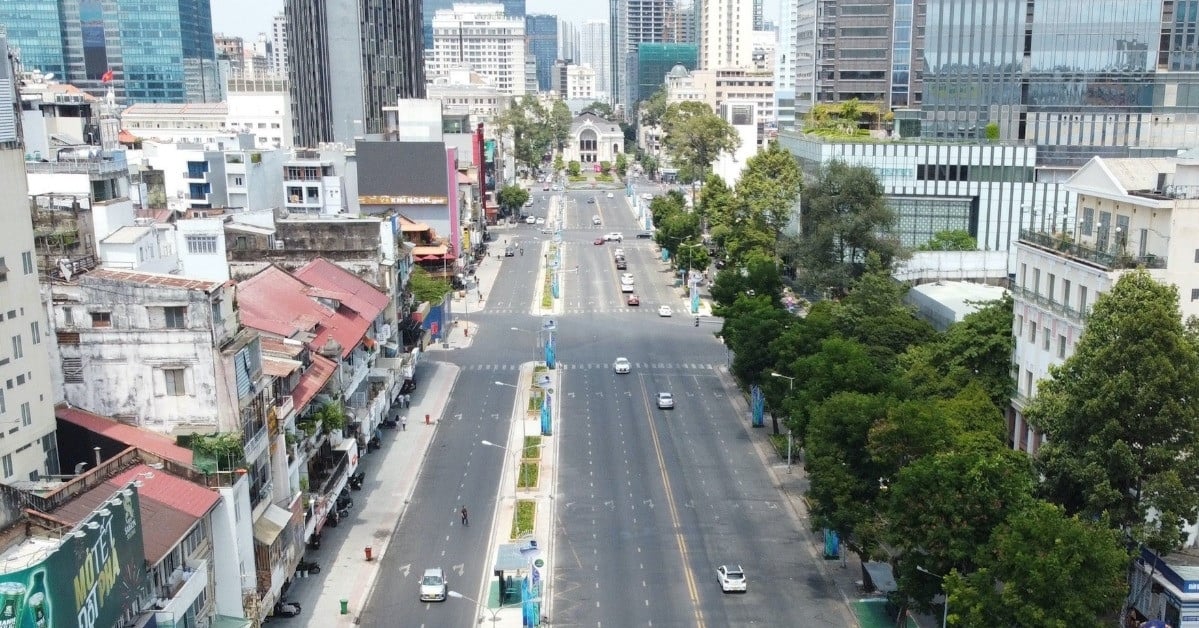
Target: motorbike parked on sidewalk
{"type": "Point", "coordinates": [287, 609]}
{"type": "Point", "coordinates": [308, 566]}
{"type": "Point", "coordinates": [356, 480]}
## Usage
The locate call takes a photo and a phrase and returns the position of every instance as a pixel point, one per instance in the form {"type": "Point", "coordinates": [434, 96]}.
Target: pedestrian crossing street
{"type": "Point", "coordinates": [698, 368]}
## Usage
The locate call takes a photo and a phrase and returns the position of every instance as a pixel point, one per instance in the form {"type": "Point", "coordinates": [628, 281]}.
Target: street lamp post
{"type": "Point", "coordinates": [517, 475]}
{"type": "Point", "coordinates": [790, 435]}
{"type": "Point", "coordinates": [494, 611]}
{"type": "Point", "coordinates": [945, 606]}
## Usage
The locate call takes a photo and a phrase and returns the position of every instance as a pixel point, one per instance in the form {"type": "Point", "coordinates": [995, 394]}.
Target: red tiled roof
{"type": "Point", "coordinates": [360, 295]}
{"type": "Point", "coordinates": [169, 506]}
{"type": "Point", "coordinates": [152, 279]}
{"type": "Point", "coordinates": [125, 137]}
{"type": "Point", "coordinates": [276, 302]}
{"type": "Point", "coordinates": [271, 344]}
{"type": "Point", "coordinates": [176, 492]}
{"type": "Point", "coordinates": [156, 444]}
{"type": "Point", "coordinates": [312, 381]}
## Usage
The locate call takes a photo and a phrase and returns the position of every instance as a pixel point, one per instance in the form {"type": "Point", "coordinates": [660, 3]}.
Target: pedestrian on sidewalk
{"type": "Point", "coordinates": [480, 293]}
{"type": "Point", "coordinates": [404, 423]}
{"type": "Point", "coordinates": [522, 251]}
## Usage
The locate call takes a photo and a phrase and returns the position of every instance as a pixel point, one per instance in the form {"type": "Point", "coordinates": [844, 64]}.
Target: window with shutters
{"type": "Point", "coordinates": [72, 370]}
{"type": "Point", "coordinates": [174, 317]}
{"type": "Point", "coordinates": [175, 383]}
{"type": "Point", "coordinates": [101, 319]}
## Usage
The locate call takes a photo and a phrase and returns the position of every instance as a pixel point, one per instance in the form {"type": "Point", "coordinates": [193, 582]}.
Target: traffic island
{"type": "Point", "coordinates": [523, 518]}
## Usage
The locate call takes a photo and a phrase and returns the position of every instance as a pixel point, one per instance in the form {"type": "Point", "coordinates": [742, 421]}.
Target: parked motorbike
{"type": "Point", "coordinates": [309, 566]}
{"type": "Point", "coordinates": [332, 519]}
{"type": "Point", "coordinates": [373, 443]}
{"type": "Point", "coordinates": [390, 424]}
{"type": "Point", "coordinates": [314, 542]}
{"type": "Point", "coordinates": [356, 480]}
{"type": "Point", "coordinates": [287, 609]}
{"type": "Point", "coordinates": [345, 503]}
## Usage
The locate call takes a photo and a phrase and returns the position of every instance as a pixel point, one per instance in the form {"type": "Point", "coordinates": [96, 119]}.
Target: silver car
{"type": "Point", "coordinates": [622, 366]}
{"type": "Point", "coordinates": [665, 400]}
{"type": "Point", "coordinates": [433, 586]}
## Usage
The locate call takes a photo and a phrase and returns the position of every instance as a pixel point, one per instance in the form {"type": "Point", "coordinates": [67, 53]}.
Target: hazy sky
{"type": "Point", "coordinates": [247, 19]}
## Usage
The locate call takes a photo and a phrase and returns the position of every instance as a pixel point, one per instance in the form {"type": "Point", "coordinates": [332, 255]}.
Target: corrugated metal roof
{"type": "Point", "coordinates": [312, 381]}
{"type": "Point", "coordinates": [277, 302]}
{"type": "Point", "coordinates": [152, 279]}
{"type": "Point", "coordinates": [279, 367]}
{"type": "Point", "coordinates": [126, 235]}
{"type": "Point", "coordinates": [152, 442]}
{"type": "Point", "coordinates": [360, 295]}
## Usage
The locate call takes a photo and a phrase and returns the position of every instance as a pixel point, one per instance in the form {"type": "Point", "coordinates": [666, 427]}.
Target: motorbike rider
{"type": "Point", "coordinates": [465, 519]}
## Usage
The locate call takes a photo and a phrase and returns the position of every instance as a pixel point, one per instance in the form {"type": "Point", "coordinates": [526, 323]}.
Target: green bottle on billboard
{"type": "Point", "coordinates": [12, 596]}
{"type": "Point", "coordinates": [37, 605]}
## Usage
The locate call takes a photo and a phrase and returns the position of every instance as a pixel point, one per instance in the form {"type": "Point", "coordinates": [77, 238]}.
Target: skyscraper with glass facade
{"type": "Point", "coordinates": [541, 33]}
{"type": "Point", "coordinates": [147, 51]}
{"type": "Point", "coordinates": [595, 49]}
{"type": "Point", "coordinates": [634, 22]}
{"type": "Point", "coordinates": [1076, 78]}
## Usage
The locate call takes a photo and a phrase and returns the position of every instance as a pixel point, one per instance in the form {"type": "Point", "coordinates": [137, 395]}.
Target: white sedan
{"type": "Point", "coordinates": [622, 366]}
{"type": "Point", "coordinates": [610, 195]}
{"type": "Point", "coordinates": [665, 311]}
{"type": "Point", "coordinates": [731, 578]}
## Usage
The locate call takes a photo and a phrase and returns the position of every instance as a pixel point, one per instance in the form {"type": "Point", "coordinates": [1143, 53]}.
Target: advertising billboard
{"type": "Point", "coordinates": [489, 164]}
{"type": "Point", "coordinates": [88, 580]}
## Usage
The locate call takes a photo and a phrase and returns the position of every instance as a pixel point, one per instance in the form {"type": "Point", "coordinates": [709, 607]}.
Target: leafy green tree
{"type": "Point", "coordinates": [559, 124]}
{"type": "Point", "coordinates": [843, 477]}
{"type": "Point", "coordinates": [558, 163]}
{"type": "Point", "coordinates": [601, 109]}
{"type": "Point", "coordinates": [769, 187]}
{"type": "Point", "coordinates": [426, 288]}
{"type": "Point", "coordinates": [649, 163]}
{"type": "Point", "coordinates": [841, 365]}
{"type": "Point", "coordinates": [844, 219]}
{"type": "Point", "coordinates": [950, 240]}
{"type": "Point", "coordinates": [1042, 568]}
{"type": "Point", "coordinates": [756, 277]}
{"type": "Point", "coordinates": [917, 428]}
{"type": "Point", "coordinates": [605, 167]}
{"type": "Point", "coordinates": [654, 109]}
{"type": "Point", "coordinates": [942, 508]}
{"type": "Point", "coordinates": [512, 198]}
{"type": "Point", "coordinates": [976, 349]}
{"type": "Point", "coordinates": [750, 324]}
{"type": "Point", "coordinates": [531, 129]}
{"type": "Point", "coordinates": [622, 164]}
{"type": "Point", "coordinates": [1121, 416]}
{"type": "Point", "coordinates": [675, 228]}
{"type": "Point", "coordinates": [695, 137]}
{"type": "Point", "coordinates": [574, 168]}
{"type": "Point", "coordinates": [874, 314]}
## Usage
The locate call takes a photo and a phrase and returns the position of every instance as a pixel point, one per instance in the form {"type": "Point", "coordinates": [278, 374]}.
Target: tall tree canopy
{"type": "Point", "coordinates": [1122, 416]}
{"type": "Point", "coordinates": [769, 187]}
{"type": "Point", "coordinates": [531, 128]}
{"type": "Point", "coordinates": [694, 137]}
{"type": "Point", "coordinates": [844, 219]}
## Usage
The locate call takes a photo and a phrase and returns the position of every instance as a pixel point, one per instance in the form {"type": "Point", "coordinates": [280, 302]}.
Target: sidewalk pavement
{"type": "Point", "coordinates": [391, 474]}
{"type": "Point", "coordinates": [524, 423]}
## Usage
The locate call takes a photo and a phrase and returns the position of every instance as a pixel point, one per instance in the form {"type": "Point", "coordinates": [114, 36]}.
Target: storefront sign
{"type": "Point", "coordinates": [403, 200]}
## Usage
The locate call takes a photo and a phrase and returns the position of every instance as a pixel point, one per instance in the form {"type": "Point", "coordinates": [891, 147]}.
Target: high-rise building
{"type": "Point", "coordinates": [594, 51]}
{"type": "Point", "coordinates": [146, 52]}
{"type": "Point", "coordinates": [759, 22]}
{"type": "Point", "coordinates": [278, 58]}
{"type": "Point", "coordinates": [429, 8]}
{"type": "Point", "coordinates": [1106, 77]}
{"type": "Point", "coordinates": [482, 38]}
{"type": "Point", "coordinates": [633, 22]}
{"type": "Point", "coordinates": [29, 448]}
{"type": "Point", "coordinates": [724, 37]}
{"type": "Point", "coordinates": [569, 47]}
{"type": "Point", "coordinates": [344, 68]}
{"type": "Point", "coordinates": [541, 32]}
{"type": "Point", "coordinates": [654, 61]}
{"type": "Point", "coordinates": [788, 60]}
{"type": "Point", "coordinates": [231, 50]}
{"type": "Point", "coordinates": [682, 23]}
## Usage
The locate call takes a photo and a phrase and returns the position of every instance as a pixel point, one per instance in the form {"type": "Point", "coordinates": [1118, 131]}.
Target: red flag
{"type": "Point", "coordinates": [107, 76]}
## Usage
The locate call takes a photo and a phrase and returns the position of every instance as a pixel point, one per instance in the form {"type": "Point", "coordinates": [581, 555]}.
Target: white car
{"type": "Point", "coordinates": [647, 196]}
{"type": "Point", "coordinates": [618, 252]}
{"type": "Point", "coordinates": [530, 220]}
{"type": "Point", "coordinates": [732, 578]}
{"type": "Point", "coordinates": [609, 195]}
{"type": "Point", "coordinates": [665, 400]}
{"type": "Point", "coordinates": [626, 278]}
{"type": "Point", "coordinates": [665, 311]}
{"type": "Point", "coordinates": [622, 366]}
{"type": "Point", "coordinates": [595, 220]}
{"type": "Point", "coordinates": [615, 236]}
{"type": "Point", "coordinates": [433, 586]}
{"type": "Point", "coordinates": [540, 221]}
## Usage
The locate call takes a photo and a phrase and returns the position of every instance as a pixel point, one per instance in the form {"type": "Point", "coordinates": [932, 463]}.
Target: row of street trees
{"type": "Point", "coordinates": [534, 129]}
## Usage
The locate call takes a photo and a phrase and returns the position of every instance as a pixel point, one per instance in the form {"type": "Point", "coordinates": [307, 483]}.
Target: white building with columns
{"type": "Point", "coordinates": [481, 37]}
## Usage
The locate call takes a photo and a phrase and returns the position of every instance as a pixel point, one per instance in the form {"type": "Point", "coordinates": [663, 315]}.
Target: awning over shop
{"type": "Point", "coordinates": [270, 524]}
{"type": "Point", "coordinates": [878, 577]}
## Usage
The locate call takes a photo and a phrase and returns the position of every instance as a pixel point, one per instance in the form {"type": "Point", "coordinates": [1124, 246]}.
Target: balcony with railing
{"type": "Point", "coordinates": [1048, 304]}
{"type": "Point", "coordinates": [254, 437]}
{"type": "Point", "coordinates": [284, 408]}
{"type": "Point", "coordinates": [182, 587]}
{"type": "Point", "coordinates": [1063, 246]}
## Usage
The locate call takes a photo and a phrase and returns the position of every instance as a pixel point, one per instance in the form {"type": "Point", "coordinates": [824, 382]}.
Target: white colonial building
{"type": "Point", "coordinates": [465, 91]}
{"type": "Point", "coordinates": [1128, 213]}
{"type": "Point", "coordinates": [593, 140]}
{"type": "Point", "coordinates": [261, 106]}
{"type": "Point", "coordinates": [481, 37]}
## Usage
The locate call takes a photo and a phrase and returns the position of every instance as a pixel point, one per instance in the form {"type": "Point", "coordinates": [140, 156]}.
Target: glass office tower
{"type": "Point", "coordinates": [156, 51]}
{"type": "Point", "coordinates": [541, 33]}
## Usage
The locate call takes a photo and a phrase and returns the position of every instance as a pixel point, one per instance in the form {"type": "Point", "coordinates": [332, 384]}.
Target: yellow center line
{"type": "Point", "coordinates": [692, 590]}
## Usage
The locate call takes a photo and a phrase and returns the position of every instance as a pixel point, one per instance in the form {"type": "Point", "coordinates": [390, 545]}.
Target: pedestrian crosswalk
{"type": "Point", "coordinates": [607, 366]}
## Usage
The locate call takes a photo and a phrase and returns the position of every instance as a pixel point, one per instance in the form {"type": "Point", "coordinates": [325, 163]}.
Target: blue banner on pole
{"type": "Point", "coordinates": [758, 406]}
{"type": "Point", "coordinates": [547, 426]}
{"type": "Point", "coordinates": [554, 287]}
{"type": "Point", "coordinates": [550, 354]}
{"type": "Point", "coordinates": [694, 300]}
